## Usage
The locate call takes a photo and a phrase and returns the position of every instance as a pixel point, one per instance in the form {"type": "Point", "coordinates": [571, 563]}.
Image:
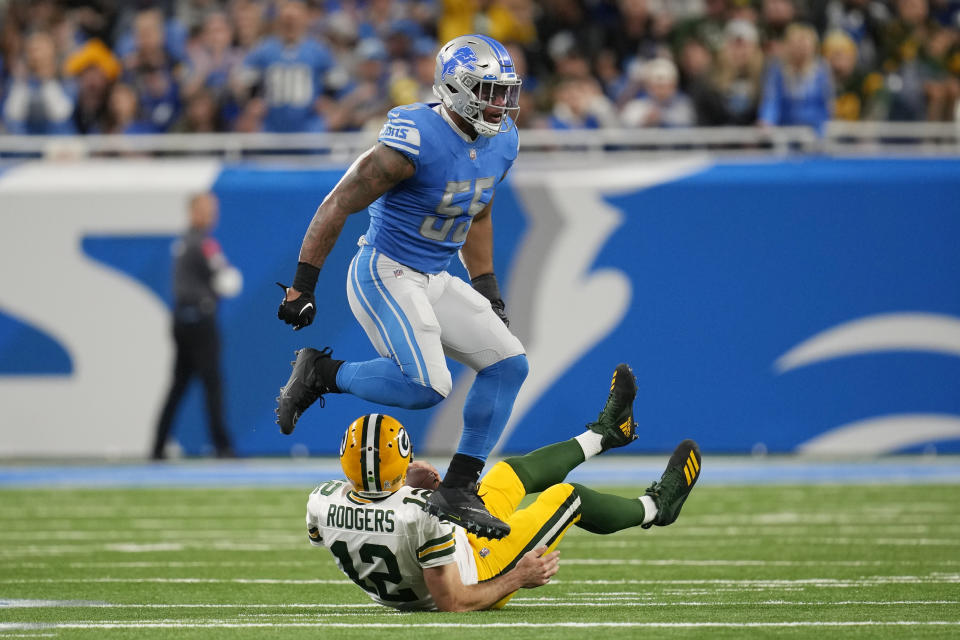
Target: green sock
{"type": "Point", "coordinates": [605, 513]}
{"type": "Point", "coordinates": [547, 465]}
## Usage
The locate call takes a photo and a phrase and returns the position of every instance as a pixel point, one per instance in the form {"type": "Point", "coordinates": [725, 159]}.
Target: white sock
{"type": "Point", "coordinates": [590, 443]}
{"type": "Point", "coordinates": [649, 509]}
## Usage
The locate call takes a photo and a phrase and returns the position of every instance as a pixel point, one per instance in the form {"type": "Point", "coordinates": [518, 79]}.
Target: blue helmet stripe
{"type": "Point", "coordinates": [503, 56]}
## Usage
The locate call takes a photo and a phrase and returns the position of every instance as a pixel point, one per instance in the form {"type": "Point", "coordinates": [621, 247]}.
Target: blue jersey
{"type": "Point", "coordinates": [292, 80]}
{"type": "Point", "coordinates": [423, 221]}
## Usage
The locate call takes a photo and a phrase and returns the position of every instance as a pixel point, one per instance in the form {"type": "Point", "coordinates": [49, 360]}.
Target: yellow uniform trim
{"type": "Point", "coordinates": [545, 521]}
{"type": "Point", "coordinates": [693, 459]}
{"type": "Point", "coordinates": [435, 548]}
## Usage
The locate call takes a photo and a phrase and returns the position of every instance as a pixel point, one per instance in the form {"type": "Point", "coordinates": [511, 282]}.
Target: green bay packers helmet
{"type": "Point", "coordinates": [375, 453]}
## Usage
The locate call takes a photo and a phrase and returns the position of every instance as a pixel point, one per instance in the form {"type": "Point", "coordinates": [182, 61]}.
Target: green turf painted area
{"type": "Point", "coordinates": [786, 562]}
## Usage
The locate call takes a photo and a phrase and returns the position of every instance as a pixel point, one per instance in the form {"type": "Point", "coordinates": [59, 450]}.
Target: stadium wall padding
{"type": "Point", "coordinates": [765, 305]}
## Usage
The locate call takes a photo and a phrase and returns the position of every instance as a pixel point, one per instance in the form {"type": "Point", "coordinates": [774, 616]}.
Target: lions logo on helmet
{"type": "Point", "coordinates": [375, 453]}
{"type": "Point", "coordinates": [474, 74]}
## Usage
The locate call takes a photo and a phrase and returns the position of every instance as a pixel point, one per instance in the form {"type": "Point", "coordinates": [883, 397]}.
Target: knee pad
{"type": "Point", "coordinates": [513, 371]}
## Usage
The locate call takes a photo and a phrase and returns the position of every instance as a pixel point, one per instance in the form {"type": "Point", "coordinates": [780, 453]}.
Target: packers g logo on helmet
{"type": "Point", "coordinates": [375, 453]}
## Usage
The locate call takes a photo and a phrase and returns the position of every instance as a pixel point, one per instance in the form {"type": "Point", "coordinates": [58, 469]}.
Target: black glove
{"type": "Point", "coordinates": [487, 286]}
{"type": "Point", "coordinates": [299, 312]}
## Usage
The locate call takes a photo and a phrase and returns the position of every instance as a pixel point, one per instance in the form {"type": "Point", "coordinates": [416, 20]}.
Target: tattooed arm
{"type": "Point", "coordinates": [370, 176]}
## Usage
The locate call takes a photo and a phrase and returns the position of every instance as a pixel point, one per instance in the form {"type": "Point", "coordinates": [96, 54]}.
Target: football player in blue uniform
{"type": "Point", "coordinates": [428, 185]}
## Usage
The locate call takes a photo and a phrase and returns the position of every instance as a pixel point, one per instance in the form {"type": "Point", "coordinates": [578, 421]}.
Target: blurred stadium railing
{"type": "Point", "coordinates": [840, 138]}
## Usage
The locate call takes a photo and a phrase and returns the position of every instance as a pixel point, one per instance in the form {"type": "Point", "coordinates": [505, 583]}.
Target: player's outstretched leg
{"type": "Point", "coordinates": [615, 423]}
{"type": "Point", "coordinates": [314, 374]}
{"type": "Point", "coordinates": [614, 427]}
{"type": "Point", "coordinates": [671, 491]}
{"type": "Point", "coordinates": [604, 513]}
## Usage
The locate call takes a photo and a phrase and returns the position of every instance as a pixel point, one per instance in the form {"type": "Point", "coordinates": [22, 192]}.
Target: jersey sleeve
{"type": "Point", "coordinates": [436, 544]}
{"type": "Point", "coordinates": [315, 507]}
{"type": "Point", "coordinates": [402, 133]}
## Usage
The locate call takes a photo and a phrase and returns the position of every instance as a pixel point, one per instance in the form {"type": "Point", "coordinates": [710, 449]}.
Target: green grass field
{"type": "Point", "coordinates": [791, 562]}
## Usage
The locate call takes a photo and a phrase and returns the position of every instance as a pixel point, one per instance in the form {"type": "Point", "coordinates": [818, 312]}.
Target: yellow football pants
{"type": "Point", "coordinates": [542, 523]}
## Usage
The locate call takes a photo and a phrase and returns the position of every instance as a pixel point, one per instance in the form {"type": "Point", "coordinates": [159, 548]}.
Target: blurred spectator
{"type": "Point", "coordinates": [398, 41]}
{"type": "Point", "coordinates": [172, 35]}
{"type": "Point", "coordinates": [797, 89]}
{"type": "Point", "coordinates": [946, 12]}
{"type": "Point", "coordinates": [340, 32]}
{"type": "Point", "coordinates": [739, 74]}
{"type": "Point", "coordinates": [916, 54]}
{"type": "Point", "coordinates": [297, 65]}
{"type": "Point", "coordinates": [775, 17]}
{"type": "Point", "coordinates": [418, 85]}
{"type": "Point", "coordinates": [377, 17]}
{"type": "Point", "coordinates": [93, 19]}
{"type": "Point", "coordinates": [38, 101]}
{"type": "Point", "coordinates": [290, 70]}
{"type": "Point", "coordinates": [95, 69]}
{"type": "Point", "coordinates": [639, 32]}
{"type": "Point", "coordinates": [212, 63]}
{"type": "Point", "coordinates": [201, 114]}
{"type": "Point", "coordinates": [860, 19]}
{"type": "Point", "coordinates": [857, 95]}
{"type": "Point", "coordinates": [193, 13]}
{"type": "Point", "coordinates": [503, 20]}
{"type": "Point", "coordinates": [248, 20]}
{"type": "Point", "coordinates": [153, 69]}
{"type": "Point", "coordinates": [569, 61]}
{"type": "Point", "coordinates": [707, 28]}
{"type": "Point", "coordinates": [123, 112]}
{"type": "Point", "coordinates": [663, 105]}
{"type": "Point", "coordinates": [562, 26]}
{"type": "Point", "coordinates": [366, 98]}
{"type": "Point", "coordinates": [579, 103]}
{"type": "Point", "coordinates": [696, 80]}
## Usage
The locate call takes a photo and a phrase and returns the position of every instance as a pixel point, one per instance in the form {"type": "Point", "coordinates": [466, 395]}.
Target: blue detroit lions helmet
{"type": "Point", "coordinates": [474, 73]}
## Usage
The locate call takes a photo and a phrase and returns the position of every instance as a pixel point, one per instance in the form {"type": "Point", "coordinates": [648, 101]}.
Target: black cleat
{"type": "Point", "coordinates": [615, 423]}
{"type": "Point", "coordinates": [675, 484]}
{"type": "Point", "coordinates": [463, 507]}
{"type": "Point", "coordinates": [302, 389]}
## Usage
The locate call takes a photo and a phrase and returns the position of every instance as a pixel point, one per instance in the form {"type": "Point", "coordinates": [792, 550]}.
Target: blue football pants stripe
{"type": "Point", "coordinates": [355, 283]}
{"type": "Point", "coordinates": [393, 325]}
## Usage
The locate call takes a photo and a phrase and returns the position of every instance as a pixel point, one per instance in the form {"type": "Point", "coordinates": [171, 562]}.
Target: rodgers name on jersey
{"type": "Point", "coordinates": [424, 220]}
{"type": "Point", "coordinates": [361, 518]}
{"type": "Point", "coordinates": [384, 545]}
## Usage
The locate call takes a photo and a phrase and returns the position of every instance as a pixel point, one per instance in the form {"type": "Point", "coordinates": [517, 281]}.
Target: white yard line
{"type": "Point", "coordinates": [326, 624]}
{"type": "Point", "coordinates": [663, 562]}
{"type": "Point", "coordinates": [937, 578]}
{"type": "Point", "coordinates": [523, 602]}
{"type": "Point", "coordinates": [752, 563]}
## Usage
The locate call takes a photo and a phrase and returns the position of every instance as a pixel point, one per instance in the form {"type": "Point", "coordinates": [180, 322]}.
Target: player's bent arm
{"type": "Point", "coordinates": [449, 593]}
{"type": "Point", "coordinates": [369, 177]}
{"type": "Point", "coordinates": [477, 249]}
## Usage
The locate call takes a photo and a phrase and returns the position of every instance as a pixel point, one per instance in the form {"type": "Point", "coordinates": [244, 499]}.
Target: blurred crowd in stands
{"type": "Point", "coordinates": [138, 66]}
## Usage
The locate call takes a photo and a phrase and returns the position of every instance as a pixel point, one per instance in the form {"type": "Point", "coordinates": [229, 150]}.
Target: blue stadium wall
{"type": "Point", "coordinates": [796, 305]}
